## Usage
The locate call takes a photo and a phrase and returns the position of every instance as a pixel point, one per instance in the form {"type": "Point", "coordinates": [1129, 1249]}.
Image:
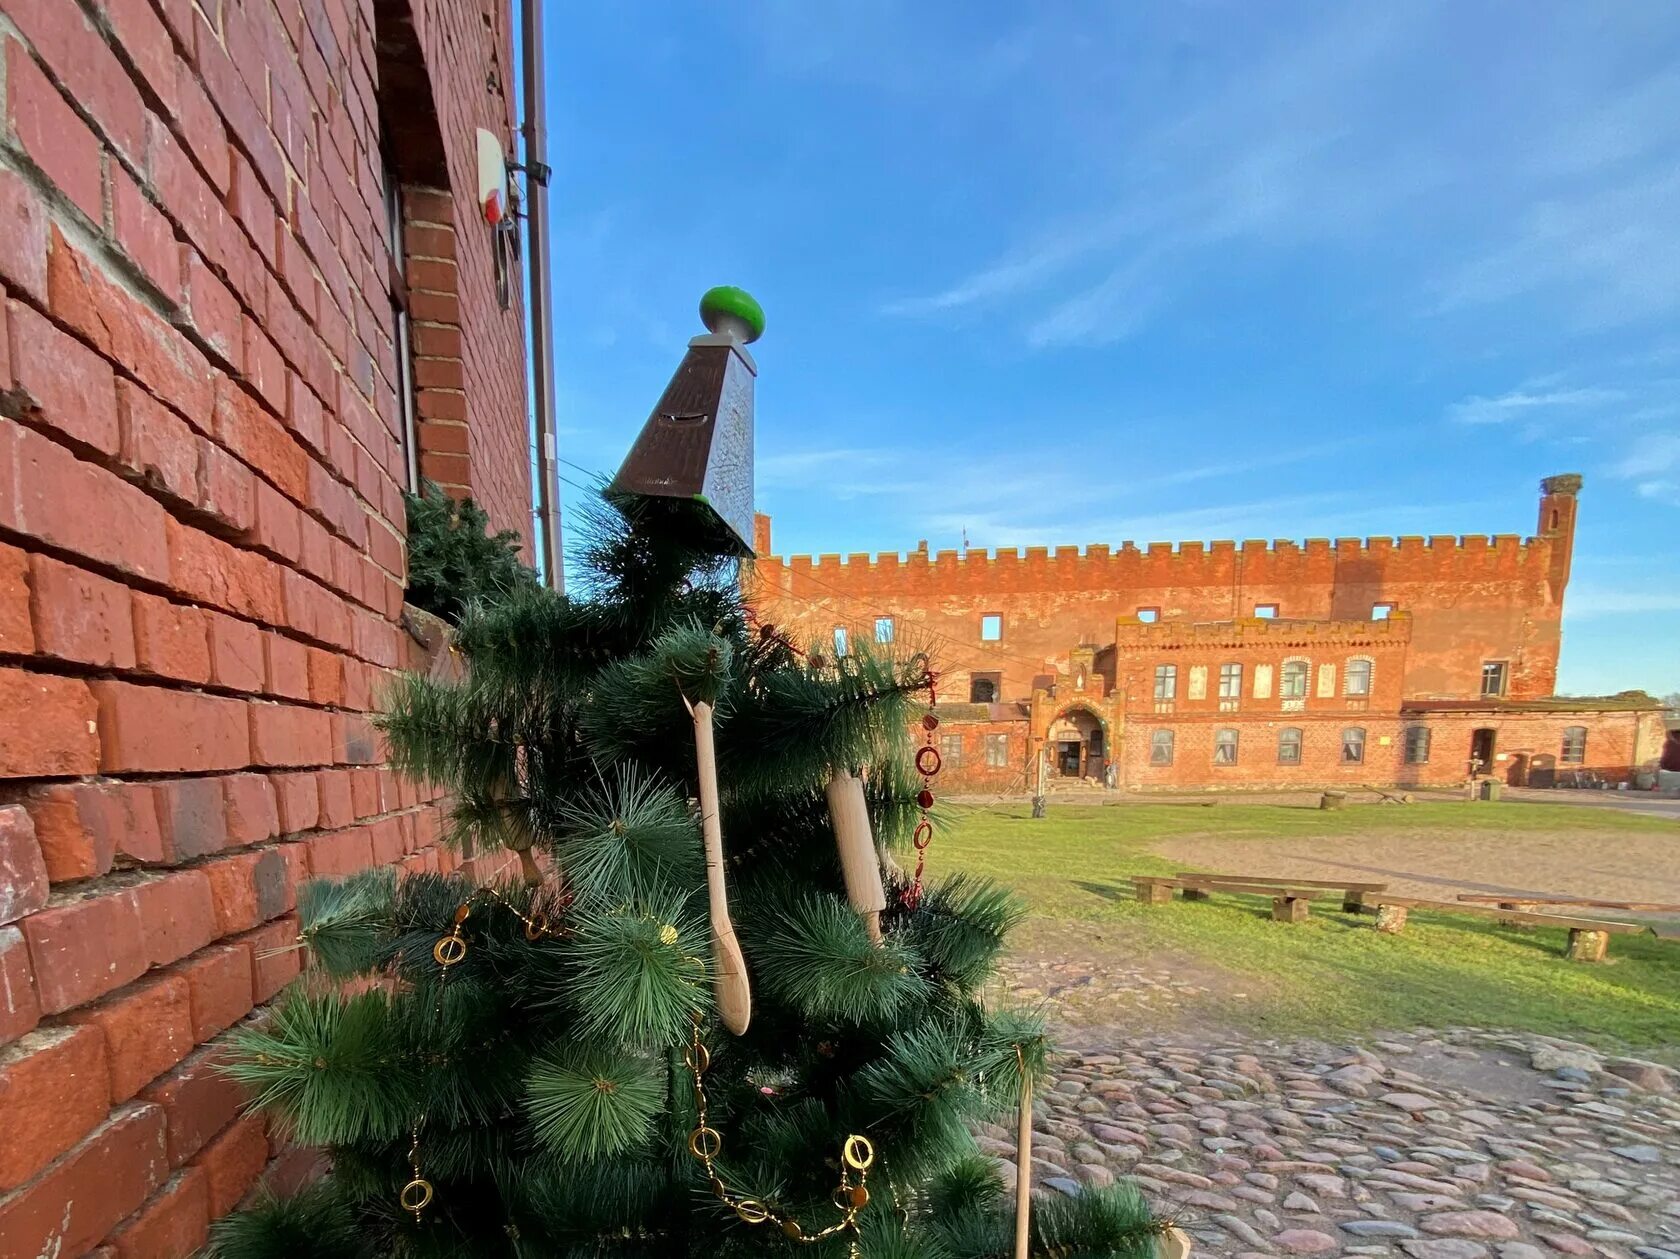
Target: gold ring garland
{"type": "Point", "coordinates": [416, 1195]}
{"type": "Point", "coordinates": [705, 1143]}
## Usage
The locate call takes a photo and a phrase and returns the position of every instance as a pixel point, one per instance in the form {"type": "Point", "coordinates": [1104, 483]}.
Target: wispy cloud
{"type": "Point", "coordinates": [1525, 403]}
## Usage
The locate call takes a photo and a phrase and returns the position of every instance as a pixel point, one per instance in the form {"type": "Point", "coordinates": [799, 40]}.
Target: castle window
{"type": "Point", "coordinates": [1417, 745]}
{"type": "Point", "coordinates": [1381, 611]}
{"type": "Point", "coordinates": [997, 751]}
{"type": "Point", "coordinates": [1230, 687]}
{"type": "Point", "coordinates": [884, 629]}
{"type": "Point", "coordinates": [1166, 682]}
{"type": "Point", "coordinates": [1574, 746]}
{"type": "Point", "coordinates": [1295, 676]}
{"type": "Point", "coordinates": [1149, 615]}
{"type": "Point", "coordinates": [1266, 611]}
{"type": "Point", "coordinates": [950, 751]}
{"type": "Point", "coordinates": [1356, 677]}
{"type": "Point", "coordinates": [991, 628]}
{"type": "Point", "coordinates": [403, 350]}
{"type": "Point", "coordinates": [1289, 746]}
{"type": "Point", "coordinates": [1161, 747]}
{"type": "Point", "coordinates": [1225, 748]}
{"type": "Point", "coordinates": [1353, 746]}
{"type": "Point", "coordinates": [839, 640]}
{"type": "Point", "coordinates": [1493, 678]}
{"type": "Point", "coordinates": [983, 688]}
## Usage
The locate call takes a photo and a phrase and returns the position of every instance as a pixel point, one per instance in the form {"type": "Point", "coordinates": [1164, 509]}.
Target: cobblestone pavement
{"type": "Point", "coordinates": [1464, 1144]}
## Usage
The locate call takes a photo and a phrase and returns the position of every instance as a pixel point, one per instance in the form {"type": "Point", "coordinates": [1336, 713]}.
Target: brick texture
{"type": "Point", "coordinates": [201, 553]}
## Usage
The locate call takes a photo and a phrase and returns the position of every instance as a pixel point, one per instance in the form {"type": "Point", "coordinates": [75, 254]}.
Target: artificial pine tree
{"type": "Point", "coordinates": [538, 1068]}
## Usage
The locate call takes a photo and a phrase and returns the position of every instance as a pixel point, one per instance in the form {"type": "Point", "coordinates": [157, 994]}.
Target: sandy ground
{"type": "Point", "coordinates": [1625, 867]}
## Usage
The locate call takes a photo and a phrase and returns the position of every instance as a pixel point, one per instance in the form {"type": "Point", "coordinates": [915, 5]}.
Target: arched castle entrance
{"type": "Point", "coordinates": [1077, 744]}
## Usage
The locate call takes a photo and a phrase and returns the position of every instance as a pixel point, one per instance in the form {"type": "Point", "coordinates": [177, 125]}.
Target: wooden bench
{"type": "Point", "coordinates": [1290, 903]}
{"type": "Point", "coordinates": [1589, 938]}
{"type": "Point", "coordinates": [1353, 894]}
{"type": "Point", "coordinates": [1506, 901]}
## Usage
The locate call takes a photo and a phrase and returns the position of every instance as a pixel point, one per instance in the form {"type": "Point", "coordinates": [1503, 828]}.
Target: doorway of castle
{"type": "Point", "coordinates": [1077, 745]}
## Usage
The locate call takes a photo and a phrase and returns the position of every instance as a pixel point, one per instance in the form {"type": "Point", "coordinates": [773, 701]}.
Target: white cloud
{"type": "Point", "coordinates": [1523, 403]}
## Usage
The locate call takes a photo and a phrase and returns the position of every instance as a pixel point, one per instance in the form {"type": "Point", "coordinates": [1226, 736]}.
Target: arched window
{"type": "Point", "coordinates": [1225, 748]}
{"type": "Point", "coordinates": [1356, 677]}
{"type": "Point", "coordinates": [1353, 746]}
{"type": "Point", "coordinates": [1289, 746]}
{"type": "Point", "coordinates": [1574, 746]}
{"type": "Point", "coordinates": [1417, 745]}
{"type": "Point", "coordinates": [1295, 675]}
{"type": "Point", "coordinates": [1161, 747]}
{"type": "Point", "coordinates": [982, 691]}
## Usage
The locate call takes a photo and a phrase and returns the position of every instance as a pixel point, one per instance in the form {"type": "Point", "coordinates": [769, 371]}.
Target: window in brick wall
{"type": "Point", "coordinates": [1493, 677]}
{"type": "Point", "coordinates": [1356, 677]}
{"type": "Point", "coordinates": [1353, 746]}
{"type": "Point", "coordinates": [1289, 746]}
{"type": "Point", "coordinates": [1574, 746]}
{"type": "Point", "coordinates": [950, 751]}
{"type": "Point", "coordinates": [1166, 682]}
{"type": "Point", "coordinates": [983, 688]}
{"type": "Point", "coordinates": [1266, 611]}
{"type": "Point", "coordinates": [1230, 687]}
{"type": "Point", "coordinates": [1417, 745]}
{"type": "Point", "coordinates": [1149, 615]}
{"type": "Point", "coordinates": [1296, 674]}
{"type": "Point", "coordinates": [840, 640]}
{"type": "Point", "coordinates": [1225, 748]}
{"type": "Point", "coordinates": [991, 628]}
{"type": "Point", "coordinates": [1381, 611]}
{"type": "Point", "coordinates": [402, 328]}
{"type": "Point", "coordinates": [1161, 747]}
{"type": "Point", "coordinates": [997, 751]}
{"type": "Point", "coordinates": [884, 629]}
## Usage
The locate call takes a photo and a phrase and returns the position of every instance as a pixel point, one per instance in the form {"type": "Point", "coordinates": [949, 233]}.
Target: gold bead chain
{"type": "Point", "coordinates": [705, 1143]}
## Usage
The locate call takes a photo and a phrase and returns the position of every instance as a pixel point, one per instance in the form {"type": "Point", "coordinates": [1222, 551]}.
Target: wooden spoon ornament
{"type": "Point", "coordinates": [729, 967]}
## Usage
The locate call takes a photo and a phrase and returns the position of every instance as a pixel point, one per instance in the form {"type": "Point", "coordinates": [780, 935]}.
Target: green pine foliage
{"type": "Point", "coordinates": [454, 561]}
{"type": "Point", "coordinates": [538, 1081]}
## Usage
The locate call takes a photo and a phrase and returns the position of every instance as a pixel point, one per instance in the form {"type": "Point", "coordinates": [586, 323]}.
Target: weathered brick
{"type": "Point", "coordinates": [79, 615]}
{"type": "Point", "coordinates": [226, 488]}
{"type": "Point", "coordinates": [20, 1009]}
{"type": "Point", "coordinates": [83, 828]}
{"type": "Point", "coordinates": [276, 956]}
{"type": "Point", "coordinates": [177, 915]}
{"type": "Point", "coordinates": [174, 1224]}
{"type": "Point", "coordinates": [154, 729]}
{"type": "Point", "coordinates": [252, 814]}
{"type": "Point", "coordinates": [156, 444]}
{"type": "Point", "coordinates": [66, 386]}
{"type": "Point", "coordinates": [192, 813]}
{"type": "Point", "coordinates": [298, 796]}
{"type": "Point", "coordinates": [233, 1161]}
{"type": "Point", "coordinates": [236, 653]}
{"type": "Point", "coordinates": [145, 235]}
{"type": "Point", "coordinates": [285, 735]}
{"type": "Point", "coordinates": [287, 667]}
{"type": "Point", "coordinates": [338, 853]}
{"type": "Point", "coordinates": [338, 807]}
{"type": "Point", "coordinates": [209, 571]}
{"type": "Point", "coordinates": [84, 949]}
{"type": "Point", "coordinates": [278, 524]}
{"type": "Point", "coordinates": [61, 736]}
{"type": "Point", "coordinates": [198, 1101]}
{"type": "Point", "coordinates": [250, 888]}
{"type": "Point", "coordinates": [23, 245]}
{"type": "Point", "coordinates": [219, 979]}
{"type": "Point", "coordinates": [171, 640]}
{"type": "Point", "coordinates": [213, 310]}
{"type": "Point", "coordinates": [23, 874]}
{"type": "Point", "coordinates": [66, 503]}
{"type": "Point", "coordinates": [17, 634]}
{"type": "Point", "coordinates": [54, 1090]}
{"type": "Point", "coordinates": [147, 1029]}
{"type": "Point", "coordinates": [50, 133]}
{"type": "Point", "coordinates": [79, 58]}
{"type": "Point", "coordinates": [87, 1192]}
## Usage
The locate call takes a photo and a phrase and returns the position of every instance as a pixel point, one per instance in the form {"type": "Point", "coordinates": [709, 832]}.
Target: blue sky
{"type": "Point", "coordinates": [1070, 273]}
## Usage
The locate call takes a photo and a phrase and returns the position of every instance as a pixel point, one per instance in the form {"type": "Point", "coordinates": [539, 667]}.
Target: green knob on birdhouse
{"type": "Point", "coordinates": [732, 312]}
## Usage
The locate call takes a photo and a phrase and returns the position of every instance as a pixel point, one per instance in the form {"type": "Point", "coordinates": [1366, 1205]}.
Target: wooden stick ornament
{"type": "Point", "coordinates": [729, 967]}
{"type": "Point", "coordinates": [1023, 1159]}
{"type": "Point", "coordinates": [860, 865]}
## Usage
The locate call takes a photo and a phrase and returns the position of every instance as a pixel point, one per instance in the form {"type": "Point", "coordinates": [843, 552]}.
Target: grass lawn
{"type": "Point", "coordinates": [1333, 974]}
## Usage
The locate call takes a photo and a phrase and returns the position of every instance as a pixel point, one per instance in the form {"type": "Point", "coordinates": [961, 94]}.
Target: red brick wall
{"type": "Point", "coordinates": [201, 558]}
{"type": "Point", "coordinates": [1472, 598]}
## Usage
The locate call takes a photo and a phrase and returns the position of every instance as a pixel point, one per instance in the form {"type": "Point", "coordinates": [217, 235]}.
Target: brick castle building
{"type": "Point", "coordinates": [248, 296]}
{"type": "Point", "coordinates": [1408, 661]}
